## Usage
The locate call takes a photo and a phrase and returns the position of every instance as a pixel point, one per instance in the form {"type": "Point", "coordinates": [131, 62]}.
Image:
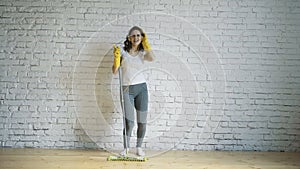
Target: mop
{"type": "Point", "coordinates": [126, 157]}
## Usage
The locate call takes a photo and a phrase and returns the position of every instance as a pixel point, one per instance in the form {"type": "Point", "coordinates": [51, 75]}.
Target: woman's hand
{"type": "Point", "coordinates": [145, 43]}
{"type": "Point", "coordinates": [117, 59]}
{"type": "Point", "coordinates": [149, 54]}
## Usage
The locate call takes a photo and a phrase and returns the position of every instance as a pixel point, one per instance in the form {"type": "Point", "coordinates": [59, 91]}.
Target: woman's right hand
{"type": "Point", "coordinates": [117, 56]}
{"type": "Point", "coordinates": [117, 59]}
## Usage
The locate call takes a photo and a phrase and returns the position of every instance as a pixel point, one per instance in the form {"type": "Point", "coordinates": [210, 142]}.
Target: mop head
{"type": "Point", "coordinates": [127, 158]}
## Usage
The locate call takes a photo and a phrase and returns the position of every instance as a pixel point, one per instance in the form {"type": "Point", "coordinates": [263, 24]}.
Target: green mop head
{"type": "Point", "coordinates": [127, 158]}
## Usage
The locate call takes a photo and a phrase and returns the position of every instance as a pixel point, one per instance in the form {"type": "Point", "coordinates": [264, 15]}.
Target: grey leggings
{"type": "Point", "coordinates": [135, 97]}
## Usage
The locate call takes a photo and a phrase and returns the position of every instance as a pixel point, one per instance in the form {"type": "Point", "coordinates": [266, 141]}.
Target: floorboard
{"type": "Point", "coordinates": [93, 159]}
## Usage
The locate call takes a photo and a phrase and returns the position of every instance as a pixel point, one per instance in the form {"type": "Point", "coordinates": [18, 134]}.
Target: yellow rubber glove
{"type": "Point", "coordinates": [117, 56]}
{"type": "Point", "coordinates": [145, 43]}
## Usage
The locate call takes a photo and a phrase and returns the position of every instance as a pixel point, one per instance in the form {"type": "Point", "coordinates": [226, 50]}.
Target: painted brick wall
{"type": "Point", "coordinates": [226, 74]}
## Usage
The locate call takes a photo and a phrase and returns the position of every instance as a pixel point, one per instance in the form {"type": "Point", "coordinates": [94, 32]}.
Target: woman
{"type": "Point", "coordinates": [135, 51]}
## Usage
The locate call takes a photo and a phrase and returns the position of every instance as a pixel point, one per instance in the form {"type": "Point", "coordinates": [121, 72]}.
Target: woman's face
{"type": "Point", "coordinates": [135, 37]}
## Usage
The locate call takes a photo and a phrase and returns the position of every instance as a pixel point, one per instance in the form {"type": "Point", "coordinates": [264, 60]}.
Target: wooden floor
{"type": "Point", "coordinates": [88, 159]}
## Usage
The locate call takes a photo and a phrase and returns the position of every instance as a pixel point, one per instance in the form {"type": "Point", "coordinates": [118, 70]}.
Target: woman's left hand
{"type": "Point", "coordinates": [145, 43]}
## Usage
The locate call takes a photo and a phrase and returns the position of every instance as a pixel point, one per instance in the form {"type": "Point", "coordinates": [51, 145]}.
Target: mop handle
{"type": "Point", "coordinates": [122, 103]}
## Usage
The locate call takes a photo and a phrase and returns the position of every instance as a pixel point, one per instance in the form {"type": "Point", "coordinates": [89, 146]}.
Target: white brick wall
{"type": "Point", "coordinates": [226, 75]}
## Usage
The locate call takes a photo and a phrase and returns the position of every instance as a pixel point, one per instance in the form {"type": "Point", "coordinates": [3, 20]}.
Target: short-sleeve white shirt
{"type": "Point", "coordinates": [132, 67]}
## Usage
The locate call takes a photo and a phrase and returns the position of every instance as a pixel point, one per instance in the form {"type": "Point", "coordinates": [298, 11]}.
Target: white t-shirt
{"type": "Point", "coordinates": [132, 68]}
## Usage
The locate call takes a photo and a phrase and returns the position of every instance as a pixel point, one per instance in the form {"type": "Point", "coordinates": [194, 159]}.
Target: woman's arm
{"type": "Point", "coordinates": [114, 70]}
{"type": "Point", "coordinates": [149, 56]}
